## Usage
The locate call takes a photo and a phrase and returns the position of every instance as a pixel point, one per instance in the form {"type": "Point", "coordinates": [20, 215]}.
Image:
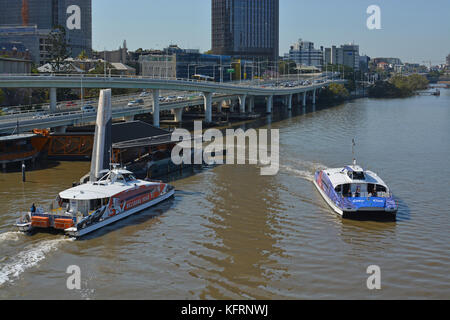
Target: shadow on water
{"type": "Point", "coordinates": [404, 212]}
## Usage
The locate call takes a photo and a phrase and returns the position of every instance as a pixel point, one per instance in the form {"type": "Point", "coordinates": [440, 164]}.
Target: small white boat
{"type": "Point", "coordinates": [93, 205]}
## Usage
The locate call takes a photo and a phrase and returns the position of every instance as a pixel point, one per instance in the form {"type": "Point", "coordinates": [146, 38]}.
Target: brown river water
{"type": "Point", "coordinates": [231, 233]}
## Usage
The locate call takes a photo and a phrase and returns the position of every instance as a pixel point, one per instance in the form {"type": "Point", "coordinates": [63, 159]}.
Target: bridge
{"type": "Point", "coordinates": [211, 92]}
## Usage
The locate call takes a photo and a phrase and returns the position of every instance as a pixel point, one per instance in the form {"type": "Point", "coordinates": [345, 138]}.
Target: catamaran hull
{"type": "Point", "coordinates": [361, 213]}
{"type": "Point", "coordinates": [73, 232]}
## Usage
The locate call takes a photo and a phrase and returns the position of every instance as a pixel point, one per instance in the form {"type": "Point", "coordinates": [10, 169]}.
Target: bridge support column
{"type": "Point", "coordinates": [269, 104]}
{"type": "Point", "coordinates": [289, 102]}
{"type": "Point", "coordinates": [304, 99]}
{"type": "Point", "coordinates": [208, 106]}
{"type": "Point", "coordinates": [251, 104]}
{"type": "Point", "coordinates": [242, 101]}
{"type": "Point", "coordinates": [52, 100]}
{"type": "Point", "coordinates": [61, 129]}
{"type": "Point", "coordinates": [314, 97]}
{"type": "Point", "coordinates": [155, 93]}
{"type": "Point", "coordinates": [178, 114]}
{"type": "Point", "coordinates": [220, 105]}
{"type": "Point", "coordinates": [231, 105]}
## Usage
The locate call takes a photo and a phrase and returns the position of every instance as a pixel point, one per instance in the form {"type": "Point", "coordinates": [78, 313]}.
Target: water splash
{"type": "Point", "coordinates": [28, 258]}
{"type": "Point", "coordinates": [10, 236]}
{"type": "Point", "coordinates": [306, 175]}
{"type": "Point", "coordinates": [304, 169]}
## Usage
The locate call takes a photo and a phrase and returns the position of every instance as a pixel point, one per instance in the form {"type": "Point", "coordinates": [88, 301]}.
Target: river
{"type": "Point", "coordinates": [231, 233]}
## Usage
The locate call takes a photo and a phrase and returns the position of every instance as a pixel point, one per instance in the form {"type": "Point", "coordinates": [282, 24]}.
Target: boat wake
{"type": "Point", "coordinates": [10, 236]}
{"type": "Point", "coordinates": [306, 169]}
{"type": "Point", "coordinates": [28, 258]}
{"type": "Point", "coordinates": [306, 175]}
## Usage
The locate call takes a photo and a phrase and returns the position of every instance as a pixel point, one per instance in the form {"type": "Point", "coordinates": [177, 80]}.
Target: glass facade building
{"type": "Point", "coordinates": [46, 14]}
{"type": "Point", "coordinates": [246, 29]}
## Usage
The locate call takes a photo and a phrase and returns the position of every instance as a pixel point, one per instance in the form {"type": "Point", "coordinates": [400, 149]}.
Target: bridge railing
{"type": "Point", "coordinates": [140, 77]}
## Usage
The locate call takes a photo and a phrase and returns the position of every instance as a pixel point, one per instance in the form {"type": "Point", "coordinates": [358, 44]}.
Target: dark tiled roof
{"type": "Point", "coordinates": [134, 130]}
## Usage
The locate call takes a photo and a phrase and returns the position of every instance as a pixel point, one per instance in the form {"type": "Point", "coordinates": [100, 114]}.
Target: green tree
{"type": "Point", "coordinates": [338, 90]}
{"type": "Point", "coordinates": [335, 92]}
{"type": "Point", "coordinates": [287, 67]}
{"type": "Point", "coordinates": [59, 49]}
{"type": "Point", "coordinates": [83, 55]}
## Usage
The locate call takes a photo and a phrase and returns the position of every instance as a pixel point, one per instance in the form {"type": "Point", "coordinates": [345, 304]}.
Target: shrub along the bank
{"type": "Point", "coordinates": [398, 86]}
{"type": "Point", "coordinates": [334, 92]}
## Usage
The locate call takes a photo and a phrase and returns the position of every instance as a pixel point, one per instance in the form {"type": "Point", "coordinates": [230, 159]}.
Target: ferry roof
{"type": "Point", "coordinates": [338, 176]}
{"type": "Point", "coordinates": [92, 191]}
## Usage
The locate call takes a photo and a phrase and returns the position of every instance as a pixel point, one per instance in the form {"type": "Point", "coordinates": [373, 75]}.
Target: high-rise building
{"type": "Point", "coordinates": [47, 14]}
{"type": "Point", "coordinates": [246, 29]}
{"type": "Point", "coordinates": [448, 60]}
{"type": "Point", "coordinates": [303, 53]}
{"type": "Point", "coordinates": [347, 54]}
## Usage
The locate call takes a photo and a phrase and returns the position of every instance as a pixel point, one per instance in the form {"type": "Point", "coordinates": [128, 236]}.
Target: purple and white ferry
{"type": "Point", "coordinates": [354, 193]}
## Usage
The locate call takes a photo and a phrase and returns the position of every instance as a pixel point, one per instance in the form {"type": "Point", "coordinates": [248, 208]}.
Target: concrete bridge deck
{"type": "Point", "coordinates": [212, 92]}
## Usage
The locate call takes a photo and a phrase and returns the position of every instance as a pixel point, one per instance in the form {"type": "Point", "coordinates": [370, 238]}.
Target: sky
{"type": "Point", "coordinates": [415, 31]}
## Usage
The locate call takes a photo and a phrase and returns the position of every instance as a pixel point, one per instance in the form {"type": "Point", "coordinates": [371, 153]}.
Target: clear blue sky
{"type": "Point", "coordinates": [413, 30]}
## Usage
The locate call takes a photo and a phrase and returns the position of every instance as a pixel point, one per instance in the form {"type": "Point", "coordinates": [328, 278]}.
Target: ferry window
{"type": "Point", "coordinates": [346, 190]}
{"type": "Point", "coordinates": [338, 189]}
{"type": "Point", "coordinates": [358, 175]}
{"type": "Point", "coordinates": [129, 177]}
{"type": "Point", "coordinates": [95, 204]}
{"type": "Point", "coordinates": [381, 188]}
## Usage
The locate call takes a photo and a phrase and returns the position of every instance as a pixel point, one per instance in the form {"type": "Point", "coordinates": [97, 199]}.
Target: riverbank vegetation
{"type": "Point", "coordinates": [335, 92]}
{"type": "Point", "coordinates": [398, 86]}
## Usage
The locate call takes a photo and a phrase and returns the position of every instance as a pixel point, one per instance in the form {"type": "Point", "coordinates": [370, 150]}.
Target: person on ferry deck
{"type": "Point", "coordinates": [358, 192]}
{"type": "Point", "coordinates": [33, 209]}
{"type": "Point", "coordinates": [372, 190]}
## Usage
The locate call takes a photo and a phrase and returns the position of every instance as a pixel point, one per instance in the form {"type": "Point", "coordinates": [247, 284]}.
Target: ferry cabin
{"type": "Point", "coordinates": [353, 182]}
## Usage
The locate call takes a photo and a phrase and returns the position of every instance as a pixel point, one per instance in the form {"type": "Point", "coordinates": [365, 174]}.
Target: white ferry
{"type": "Point", "coordinates": [354, 193]}
{"type": "Point", "coordinates": [93, 205]}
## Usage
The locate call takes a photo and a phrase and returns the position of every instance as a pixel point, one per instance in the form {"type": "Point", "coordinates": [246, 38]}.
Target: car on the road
{"type": "Point", "coordinates": [133, 103]}
{"type": "Point", "coordinates": [88, 108]}
{"type": "Point", "coordinates": [40, 115]}
{"type": "Point", "coordinates": [140, 101]}
{"type": "Point", "coordinates": [6, 110]}
{"type": "Point", "coordinates": [144, 94]}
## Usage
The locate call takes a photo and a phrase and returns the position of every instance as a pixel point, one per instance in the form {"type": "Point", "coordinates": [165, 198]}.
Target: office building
{"type": "Point", "coordinates": [35, 40]}
{"type": "Point", "coordinates": [47, 14]}
{"type": "Point", "coordinates": [347, 55]}
{"type": "Point", "coordinates": [117, 56]}
{"type": "Point", "coordinates": [158, 66]}
{"type": "Point", "coordinates": [364, 63]}
{"type": "Point", "coordinates": [174, 62]}
{"type": "Point", "coordinates": [246, 29]}
{"type": "Point", "coordinates": [303, 53]}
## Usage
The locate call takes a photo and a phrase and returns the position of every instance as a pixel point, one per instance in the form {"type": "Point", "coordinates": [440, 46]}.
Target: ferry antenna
{"type": "Point", "coordinates": [353, 151]}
